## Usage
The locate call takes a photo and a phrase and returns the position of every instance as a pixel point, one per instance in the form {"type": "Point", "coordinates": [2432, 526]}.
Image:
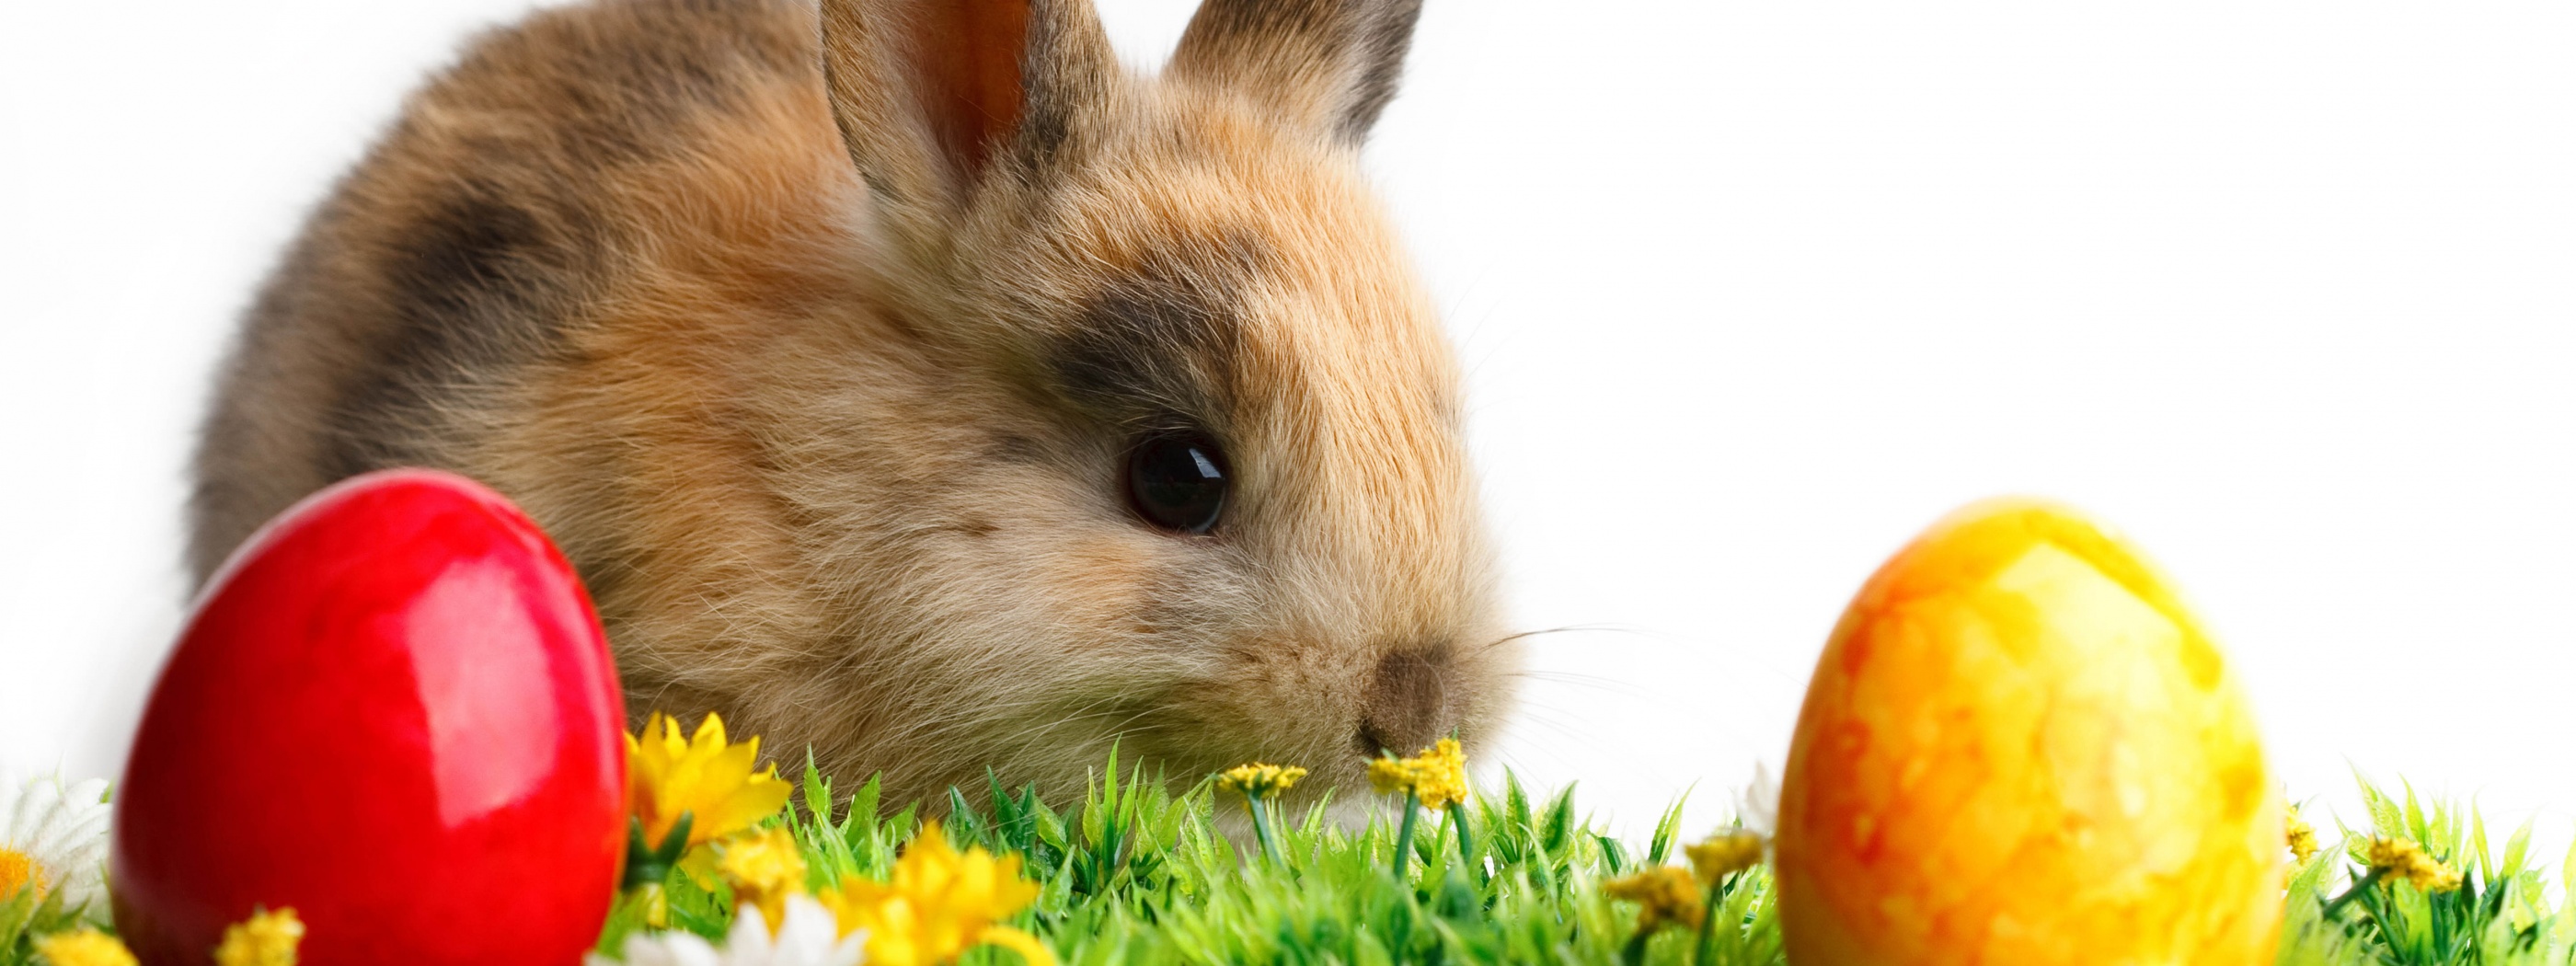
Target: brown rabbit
{"type": "Point", "coordinates": [938, 395]}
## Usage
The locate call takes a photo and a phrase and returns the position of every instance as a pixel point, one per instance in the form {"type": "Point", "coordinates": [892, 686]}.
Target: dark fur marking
{"type": "Point", "coordinates": [1044, 133]}
{"type": "Point", "coordinates": [1161, 345]}
{"type": "Point", "coordinates": [483, 282]}
{"type": "Point", "coordinates": [463, 298]}
{"type": "Point", "coordinates": [460, 256]}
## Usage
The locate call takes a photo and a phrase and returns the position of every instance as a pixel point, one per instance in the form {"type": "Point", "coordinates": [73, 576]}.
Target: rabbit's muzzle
{"type": "Point", "coordinates": [1406, 704]}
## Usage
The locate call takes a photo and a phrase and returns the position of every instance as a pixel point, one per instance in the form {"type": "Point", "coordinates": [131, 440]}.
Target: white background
{"type": "Point", "coordinates": [1749, 293]}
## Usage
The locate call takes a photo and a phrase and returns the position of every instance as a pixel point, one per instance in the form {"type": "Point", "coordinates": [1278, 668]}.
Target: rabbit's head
{"type": "Point", "coordinates": [1146, 433]}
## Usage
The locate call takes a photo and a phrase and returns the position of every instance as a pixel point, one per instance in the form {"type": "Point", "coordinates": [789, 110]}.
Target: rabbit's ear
{"type": "Point", "coordinates": [1329, 64]}
{"type": "Point", "coordinates": [932, 95]}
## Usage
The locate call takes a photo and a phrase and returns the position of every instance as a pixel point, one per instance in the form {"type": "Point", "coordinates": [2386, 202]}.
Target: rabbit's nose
{"type": "Point", "coordinates": [1405, 705]}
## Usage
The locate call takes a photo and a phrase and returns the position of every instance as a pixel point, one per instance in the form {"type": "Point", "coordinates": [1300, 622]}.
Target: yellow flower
{"type": "Point", "coordinates": [939, 903]}
{"type": "Point", "coordinates": [704, 776]}
{"type": "Point", "coordinates": [2445, 880]}
{"type": "Point", "coordinates": [765, 869]}
{"type": "Point", "coordinates": [1437, 776]}
{"type": "Point", "coordinates": [18, 870]}
{"type": "Point", "coordinates": [1390, 775]}
{"type": "Point", "coordinates": [2402, 858]}
{"type": "Point", "coordinates": [1664, 894]}
{"type": "Point", "coordinates": [84, 947]}
{"type": "Point", "coordinates": [2302, 838]}
{"type": "Point", "coordinates": [265, 939]}
{"type": "Point", "coordinates": [1724, 854]}
{"type": "Point", "coordinates": [1258, 780]}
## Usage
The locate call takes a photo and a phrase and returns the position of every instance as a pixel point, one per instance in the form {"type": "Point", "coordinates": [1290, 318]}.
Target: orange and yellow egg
{"type": "Point", "coordinates": [2020, 748]}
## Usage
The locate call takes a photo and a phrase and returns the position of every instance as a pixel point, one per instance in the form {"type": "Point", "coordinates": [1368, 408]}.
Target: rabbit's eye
{"type": "Point", "coordinates": [1177, 482]}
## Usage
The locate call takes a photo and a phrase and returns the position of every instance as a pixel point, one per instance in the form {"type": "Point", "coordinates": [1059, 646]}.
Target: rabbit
{"type": "Point", "coordinates": [912, 383]}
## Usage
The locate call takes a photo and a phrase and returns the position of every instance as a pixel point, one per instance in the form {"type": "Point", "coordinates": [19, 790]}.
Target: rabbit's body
{"type": "Point", "coordinates": [830, 389]}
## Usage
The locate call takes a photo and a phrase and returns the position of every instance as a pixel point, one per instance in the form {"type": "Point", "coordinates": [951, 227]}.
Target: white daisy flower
{"type": "Point", "coordinates": [1759, 806]}
{"type": "Point", "coordinates": [54, 837]}
{"type": "Point", "coordinates": [808, 937]}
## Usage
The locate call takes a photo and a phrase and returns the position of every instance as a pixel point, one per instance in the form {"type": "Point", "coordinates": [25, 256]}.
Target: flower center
{"type": "Point", "coordinates": [16, 871]}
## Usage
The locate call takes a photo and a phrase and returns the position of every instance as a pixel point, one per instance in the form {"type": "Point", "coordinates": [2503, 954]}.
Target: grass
{"type": "Point", "coordinates": [1135, 873]}
{"type": "Point", "coordinates": [1140, 873]}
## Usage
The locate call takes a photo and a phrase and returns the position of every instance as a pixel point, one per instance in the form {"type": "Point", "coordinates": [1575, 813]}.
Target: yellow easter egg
{"type": "Point", "coordinates": [2019, 748]}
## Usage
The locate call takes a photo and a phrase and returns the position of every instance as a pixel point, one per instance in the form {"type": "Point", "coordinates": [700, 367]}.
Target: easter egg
{"type": "Point", "coordinates": [393, 712]}
{"type": "Point", "coordinates": [2020, 748]}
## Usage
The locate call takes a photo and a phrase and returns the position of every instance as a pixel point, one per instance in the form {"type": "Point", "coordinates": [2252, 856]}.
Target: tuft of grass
{"type": "Point", "coordinates": [2501, 914]}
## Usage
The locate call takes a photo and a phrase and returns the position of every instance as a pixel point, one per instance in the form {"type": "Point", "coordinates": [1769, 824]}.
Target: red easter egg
{"type": "Point", "coordinates": [393, 712]}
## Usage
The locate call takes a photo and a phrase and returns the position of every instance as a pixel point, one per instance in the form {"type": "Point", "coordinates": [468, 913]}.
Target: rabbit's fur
{"type": "Point", "coordinates": [821, 362]}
